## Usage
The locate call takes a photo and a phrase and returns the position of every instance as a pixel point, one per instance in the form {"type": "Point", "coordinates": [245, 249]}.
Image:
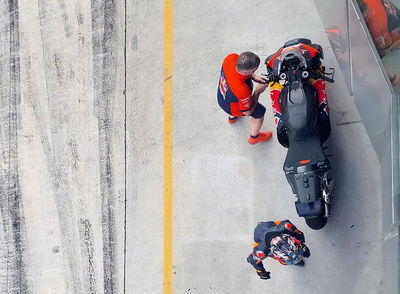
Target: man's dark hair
{"type": "Point", "coordinates": [247, 61]}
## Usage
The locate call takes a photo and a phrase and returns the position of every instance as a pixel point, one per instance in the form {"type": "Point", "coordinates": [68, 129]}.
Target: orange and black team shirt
{"type": "Point", "coordinates": [383, 20]}
{"type": "Point", "coordinates": [234, 89]}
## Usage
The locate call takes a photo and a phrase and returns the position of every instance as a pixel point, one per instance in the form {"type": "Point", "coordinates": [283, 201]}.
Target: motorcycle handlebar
{"type": "Point", "coordinates": [320, 76]}
{"type": "Point", "coordinates": [327, 79]}
{"type": "Point", "coordinates": [272, 78]}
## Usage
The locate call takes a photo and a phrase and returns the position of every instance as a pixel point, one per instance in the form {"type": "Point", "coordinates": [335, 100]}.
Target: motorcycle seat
{"type": "Point", "coordinates": [302, 152]}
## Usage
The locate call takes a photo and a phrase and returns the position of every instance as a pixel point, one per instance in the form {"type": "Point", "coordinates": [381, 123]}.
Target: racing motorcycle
{"type": "Point", "coordinates": [306, 166]}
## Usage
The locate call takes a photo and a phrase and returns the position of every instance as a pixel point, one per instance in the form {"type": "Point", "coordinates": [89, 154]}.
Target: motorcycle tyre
{"type": "Point", "coordinates": [316, 223]}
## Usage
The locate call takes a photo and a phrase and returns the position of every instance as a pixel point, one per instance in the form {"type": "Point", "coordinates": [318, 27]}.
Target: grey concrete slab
{"type": "Point", "coordinates": [145, 172]}
{"type": "Point", "coordinates": [224, 186]}
{"type": "Point", "coordinates": [62, 133]}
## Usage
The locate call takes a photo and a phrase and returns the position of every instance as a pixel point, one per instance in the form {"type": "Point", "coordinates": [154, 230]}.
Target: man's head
{"type": "Point", "coordinates": [247, 63]}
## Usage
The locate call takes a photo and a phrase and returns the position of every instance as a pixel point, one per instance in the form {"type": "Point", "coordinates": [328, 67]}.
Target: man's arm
{"type": "Point", "coordinates": [293, 231]}
{"type": "Point", "coordinates": [256, 94]}
{"type": "Point", "coordinates": [256, 258]}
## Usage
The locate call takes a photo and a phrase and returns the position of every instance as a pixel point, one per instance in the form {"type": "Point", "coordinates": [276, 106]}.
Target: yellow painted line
{"type": "Point", "coordinates": [168, 146]}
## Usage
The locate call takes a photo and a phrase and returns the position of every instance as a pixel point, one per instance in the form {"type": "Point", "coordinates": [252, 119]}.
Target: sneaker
{"type": "Point", "coordinates": [301, 263]}
{"type": "Point", "coordinates": [232, 119]}
{"type": "Point", "coordinates": [262, 137]}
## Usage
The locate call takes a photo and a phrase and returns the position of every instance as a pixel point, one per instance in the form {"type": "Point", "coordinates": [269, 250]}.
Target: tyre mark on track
{"type": "Point", "coordinates": [58, 140]}
{"type": "Point", "coordinates": [64, 15]}
{"type": "Point", "coordinates": [58, 168]}
{"type": "Point", "coordinates": [86, 237]}
{"type": "Point", "coordinates": [11, 209]}
{"type": "Point", "coordinates": [104, 29]}
{"type": "Point", "coordinates": [340, 121]}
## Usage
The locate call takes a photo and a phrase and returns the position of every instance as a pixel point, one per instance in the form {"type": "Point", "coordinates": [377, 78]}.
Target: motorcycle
{"type": "Point", "coordinates": [306, 166]}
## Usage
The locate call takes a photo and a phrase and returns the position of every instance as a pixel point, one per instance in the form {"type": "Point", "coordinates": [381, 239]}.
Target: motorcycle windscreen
{"type": "Point", "coordinates": [291, 57]}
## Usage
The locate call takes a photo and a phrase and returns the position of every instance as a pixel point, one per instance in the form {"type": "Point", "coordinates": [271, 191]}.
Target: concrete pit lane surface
{"type": "Point", "coordinates": [82, 175]}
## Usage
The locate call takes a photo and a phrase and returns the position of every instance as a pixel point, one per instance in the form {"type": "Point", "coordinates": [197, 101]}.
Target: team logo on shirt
{"type": "Point", "coordinates": [223, 85]}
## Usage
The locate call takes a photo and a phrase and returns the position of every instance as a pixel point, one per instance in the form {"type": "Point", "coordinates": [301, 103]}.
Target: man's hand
{"type": "Point", "coordinates": [256, 94]}
{"type": "Point", "coordinates": [394, 46]}
{"type": "Point", "coordinates": [306, 252]}
{"type": "Point", "coordinates": [264, 275]}
{"type": "Point", "coordinates": [259, 79]}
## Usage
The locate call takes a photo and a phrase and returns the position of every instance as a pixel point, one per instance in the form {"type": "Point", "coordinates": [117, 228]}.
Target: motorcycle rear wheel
{"type": "Point", "coordinates": [316, 223]}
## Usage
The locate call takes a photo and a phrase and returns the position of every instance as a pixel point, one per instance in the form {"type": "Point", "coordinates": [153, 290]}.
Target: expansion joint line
{"type": "Point", "coordinates": [125, 143]}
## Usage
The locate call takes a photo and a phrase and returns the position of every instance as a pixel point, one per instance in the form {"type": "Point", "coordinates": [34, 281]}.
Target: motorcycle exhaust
{"type": "Point", "coordinates": [326, 190]}
{"type": "Point", "coordinates": [327, 203]}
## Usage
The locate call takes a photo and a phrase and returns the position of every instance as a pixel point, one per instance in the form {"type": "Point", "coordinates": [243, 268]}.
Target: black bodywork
{"type": "Point", "coordinates": [305, 161]}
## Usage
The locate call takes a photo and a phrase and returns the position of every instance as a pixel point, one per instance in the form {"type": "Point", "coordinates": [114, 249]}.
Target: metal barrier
{"type": "Point", "coordinates": [378, 105]}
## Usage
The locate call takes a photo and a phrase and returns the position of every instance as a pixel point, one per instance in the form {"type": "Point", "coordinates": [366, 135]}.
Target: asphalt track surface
{"type": "Point", "coordinates": [82, 141]}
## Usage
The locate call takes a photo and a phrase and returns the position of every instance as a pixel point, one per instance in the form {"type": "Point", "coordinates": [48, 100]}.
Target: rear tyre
{"type": "Point", "coordinates": [316, 223]}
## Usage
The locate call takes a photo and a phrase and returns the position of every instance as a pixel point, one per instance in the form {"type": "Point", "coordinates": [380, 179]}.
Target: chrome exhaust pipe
{"type": "Point", "coordinates": [327, 202]}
